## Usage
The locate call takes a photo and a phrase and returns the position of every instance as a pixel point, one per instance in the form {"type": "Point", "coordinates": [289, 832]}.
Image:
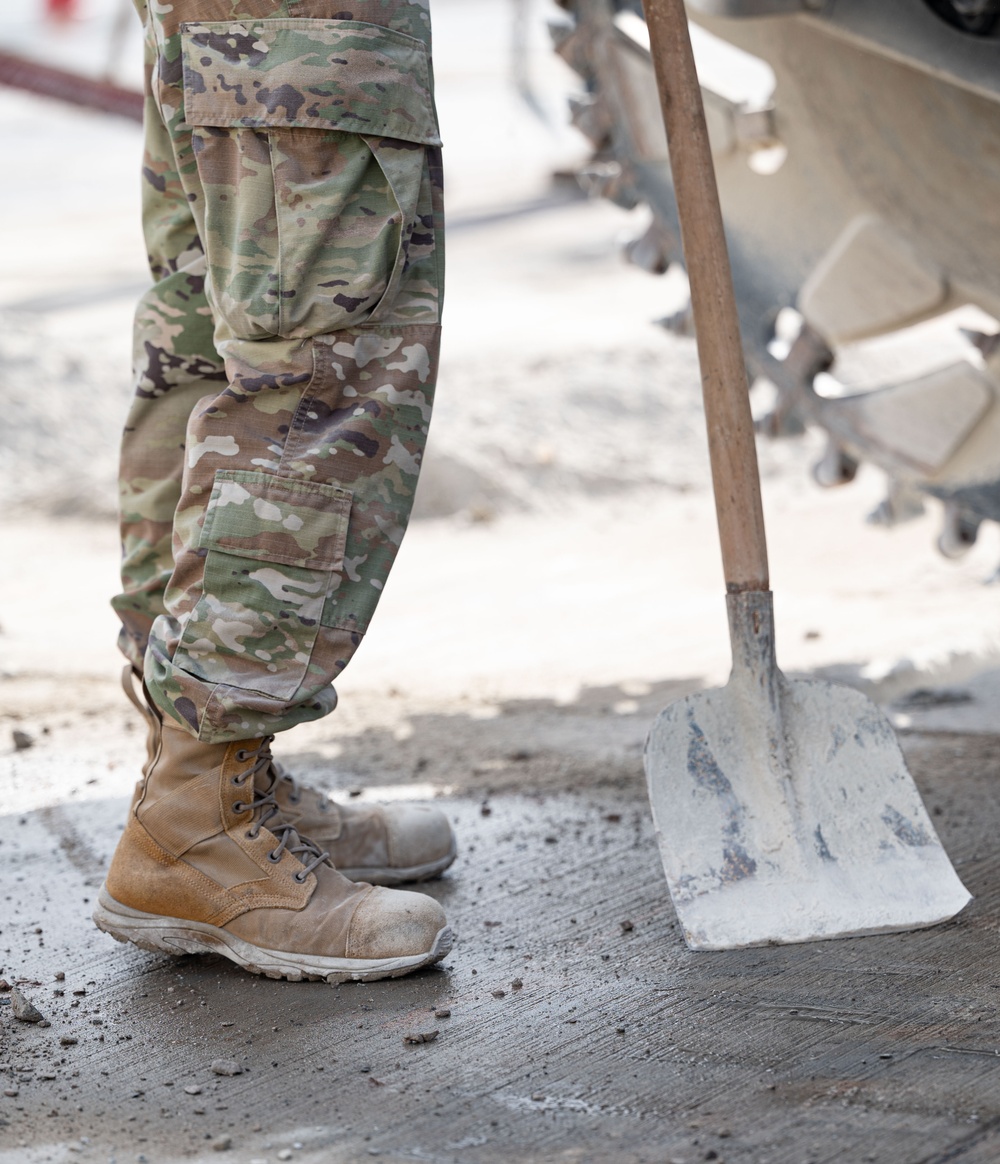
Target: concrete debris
{"type": "Point", "coordinates": [226, 1067]}
{"type": "Point", "coordinates": [499, 993]}
{"type": "Point", "coordinates": [420, 1037]}
{"type": "Point", "coordinates": [67, 1041]}
{"type": "Point", "coordinates": [4, 986]}
{"type": "Point", "coordinates": [22, 740]}
{"type": "Point", "coordinates": [222, 1143]}
{"type": "Point", "coordinates": [443, 1012]}
{"type": "Point", "coordinates": [193, 1089]}
{"type": "Point", "coordinates": [23, 1008]}
{"type": "Point", "coordinates": [517, 984]}
{"type": "Point", "coordinates": [627, 926]}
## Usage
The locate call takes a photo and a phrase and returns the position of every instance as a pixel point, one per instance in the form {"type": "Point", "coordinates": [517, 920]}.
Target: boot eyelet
{"type": "Point", "coordinates": [253, 834]}
{"type": "Point", "coordinates": [274, 856]}
{"type": "Point", "coordinates": [242, 756]}
{"type": "Point", "coordinates": [300, 877]}
{"type": "Point", "coordinates": [239, 807]}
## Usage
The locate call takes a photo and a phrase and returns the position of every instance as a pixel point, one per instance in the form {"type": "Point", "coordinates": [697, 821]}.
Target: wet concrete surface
{"type": "Point", "coordinates": [580, 1027]}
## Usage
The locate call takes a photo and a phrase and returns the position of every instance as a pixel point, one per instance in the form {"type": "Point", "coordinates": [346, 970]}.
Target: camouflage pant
{"type": "Point", "coordinates": [286, 354]}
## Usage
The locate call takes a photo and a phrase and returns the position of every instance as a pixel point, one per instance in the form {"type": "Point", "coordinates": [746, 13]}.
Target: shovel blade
{"type": "Point", "coordinates": [826, 837]}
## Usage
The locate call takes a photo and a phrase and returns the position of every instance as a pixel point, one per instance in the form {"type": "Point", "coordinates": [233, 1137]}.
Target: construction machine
{"type": "Point", "coordinates": [859, 184]}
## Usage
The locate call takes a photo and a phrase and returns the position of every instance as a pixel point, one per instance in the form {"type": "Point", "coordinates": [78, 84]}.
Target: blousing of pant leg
{"type": "Point", "coordinates": [175, 364]}
{"type": "Point", "coordinates": [304, 137]}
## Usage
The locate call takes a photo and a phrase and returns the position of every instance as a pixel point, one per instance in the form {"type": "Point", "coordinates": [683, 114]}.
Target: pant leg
{"type": "Point", "coordinates": [324, 279]}
{"type": "Point", "coordinates": [175, 364]}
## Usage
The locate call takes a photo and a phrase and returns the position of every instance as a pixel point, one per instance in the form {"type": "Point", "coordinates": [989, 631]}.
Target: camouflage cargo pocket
{"type": "Point", "coordinates": [274, 551]}
{"type": "Point", "coordinates": [310, 139]}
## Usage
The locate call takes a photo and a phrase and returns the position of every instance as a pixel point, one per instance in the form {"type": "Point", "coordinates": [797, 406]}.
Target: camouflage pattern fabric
{"type": "Point", "coordinates": [286, 354]}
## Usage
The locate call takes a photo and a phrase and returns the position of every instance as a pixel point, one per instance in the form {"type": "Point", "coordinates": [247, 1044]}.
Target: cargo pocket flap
{"type": "Point", "coordinates": [318, 74]}
{"type": "Point", "coordinates": [272, 519]}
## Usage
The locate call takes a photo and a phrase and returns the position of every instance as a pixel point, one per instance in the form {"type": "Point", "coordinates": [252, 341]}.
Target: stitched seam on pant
{"type": "Point", "coordinates": [279, 258]}
{"type": "Point", "coordinates": [298, 418]}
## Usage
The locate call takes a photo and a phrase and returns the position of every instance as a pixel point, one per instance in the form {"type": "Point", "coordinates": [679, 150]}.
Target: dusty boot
{"type": "Point", "coordinates": [384, 844]}
{"type": "Point", "coordinates": [207, 864]}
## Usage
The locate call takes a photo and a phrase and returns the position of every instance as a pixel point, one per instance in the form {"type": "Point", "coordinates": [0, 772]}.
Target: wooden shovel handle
{"type": "Point", "coordinates": [720, 351]}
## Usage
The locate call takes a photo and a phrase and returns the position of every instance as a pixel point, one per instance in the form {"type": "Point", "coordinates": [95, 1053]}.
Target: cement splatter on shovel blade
{"type": "Point", "coordinates": [825, 837]}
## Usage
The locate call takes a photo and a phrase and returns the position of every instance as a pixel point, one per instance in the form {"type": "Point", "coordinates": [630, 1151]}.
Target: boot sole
{"type": "Point", "coordinates": [173, 935]}
{"type": "Point", "coordinates": [396, 876]}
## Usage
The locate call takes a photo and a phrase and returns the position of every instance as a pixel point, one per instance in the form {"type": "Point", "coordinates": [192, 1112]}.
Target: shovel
{"type": "Point", "coordinates": [783, 808]}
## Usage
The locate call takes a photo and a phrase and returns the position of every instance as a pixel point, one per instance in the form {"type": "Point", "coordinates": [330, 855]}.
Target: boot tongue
{"type": "Point", "coordinates": [308, 808]}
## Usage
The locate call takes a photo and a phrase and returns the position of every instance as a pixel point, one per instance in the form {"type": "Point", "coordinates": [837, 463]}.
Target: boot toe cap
{"type": "Point", "coordinates": [417, 835]}
{"type": "Point", "coordinates": [392, 923]}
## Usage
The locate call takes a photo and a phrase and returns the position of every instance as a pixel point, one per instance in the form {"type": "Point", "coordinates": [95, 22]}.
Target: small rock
{"type": "Point", "coordinates": [193, 1089]}
{"type": "Point", "coordinates": [67, 1041]}
{"type": "Point", "coordinates": [60, 976]}
{"type": "Point", "coordinates": [24, 1009]}
{"type": "Point", "coordinates": [22, 740]}
{"type": "Point", "coordinates": [613, 817]}
{"type": "Point", "coordinates": [420, 1037]}
{"type": "Point", "coordinates": [4, 986]}
{"type": "Point", "coordinates": [285, 1154]}
{"type": "Point", "coordinates": [517, 984]}
{"type": "Point", "coordinates": [485, 810]}
{"type": "Point", "coordinates": [443, 1012]}
{"type": "Point", "coordinates": [222, 1143]}
{"type": "Point", "coordinates": [499, 993]}
{"type": "Point", "coordinates": [538, 1097]}
{"type": "Point", "coordinates": [350, 792]}
{"type": "Point", "coordinates": [627, 927]}
{"type": "Point", "coordinates": [11, 1092]}
{"type": "Point", "coordinates": [226, 1067]}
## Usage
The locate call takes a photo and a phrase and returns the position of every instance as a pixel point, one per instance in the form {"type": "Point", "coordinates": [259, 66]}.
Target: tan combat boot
{"type": "Point", "coordinates": [380, 843]}
{"type": "Point", "coordinates": [207, 865]}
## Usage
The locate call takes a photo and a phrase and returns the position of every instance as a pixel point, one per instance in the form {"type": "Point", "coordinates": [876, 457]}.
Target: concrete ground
{"type": "Point", "coordinates": [560, 586]}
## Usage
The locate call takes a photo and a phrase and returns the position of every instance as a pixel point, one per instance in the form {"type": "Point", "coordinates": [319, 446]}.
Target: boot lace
{"type": "Point", "coordinates": [296, 793]}
{"type": "Point", "coordinates": [267, 813]}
